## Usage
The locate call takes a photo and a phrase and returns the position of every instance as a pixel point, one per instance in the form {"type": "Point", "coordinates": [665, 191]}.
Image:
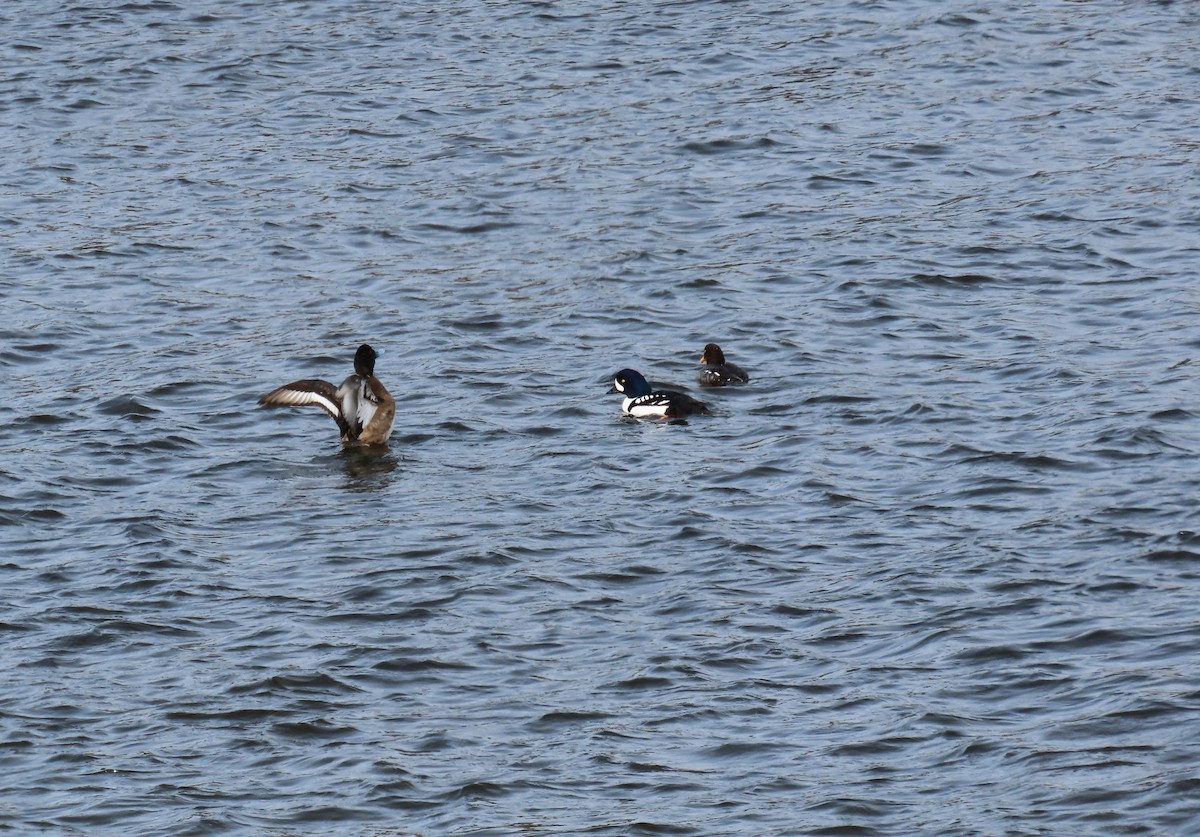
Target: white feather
{"type": "Point", "coordinates": [645, 405]}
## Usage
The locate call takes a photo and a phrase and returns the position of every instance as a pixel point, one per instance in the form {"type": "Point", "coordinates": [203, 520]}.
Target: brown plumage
{"type": "Point", "coordinates": [362, 407]}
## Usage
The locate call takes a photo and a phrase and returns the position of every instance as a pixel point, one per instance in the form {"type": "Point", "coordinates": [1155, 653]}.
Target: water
{"type": "Point", "coordinates": [934, 571]}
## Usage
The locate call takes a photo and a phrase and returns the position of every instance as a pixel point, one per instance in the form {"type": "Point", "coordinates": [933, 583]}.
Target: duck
{"type": "Point", "coordinates": [362, 407]}
{"type": "Point", "coordinates": [715, 372]}
{"type": "Point", "coordinates": [643, 401]}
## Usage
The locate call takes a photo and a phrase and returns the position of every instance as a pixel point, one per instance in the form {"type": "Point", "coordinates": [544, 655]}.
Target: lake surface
{"type": "Point", "coordinates": [936, 570]}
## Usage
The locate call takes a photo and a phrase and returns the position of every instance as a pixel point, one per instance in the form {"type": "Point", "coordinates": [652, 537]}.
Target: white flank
{"type": "Point", "coordinates": [656, 406]}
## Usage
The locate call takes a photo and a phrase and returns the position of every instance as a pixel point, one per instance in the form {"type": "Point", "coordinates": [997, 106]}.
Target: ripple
{"type": "Point", "coordinates": [948, 532]}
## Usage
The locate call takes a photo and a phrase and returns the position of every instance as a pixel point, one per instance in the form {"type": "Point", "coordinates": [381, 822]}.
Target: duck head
{"type": "Point", "coordinates": [631, 383]}
{"type": "Point", "coordinates": [364, 361]}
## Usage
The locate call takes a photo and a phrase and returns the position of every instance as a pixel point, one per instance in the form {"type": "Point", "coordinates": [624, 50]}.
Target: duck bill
{"type": "Point", "coordinates": [613, 389]}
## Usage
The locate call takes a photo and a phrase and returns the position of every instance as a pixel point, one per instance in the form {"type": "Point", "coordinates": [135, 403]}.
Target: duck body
{"type": "Point", "coordinates": [362, 407]}
{"type": "Point", "coordinates": [716, 372]}
{"type": "Point", "coordinates": [643, 401]}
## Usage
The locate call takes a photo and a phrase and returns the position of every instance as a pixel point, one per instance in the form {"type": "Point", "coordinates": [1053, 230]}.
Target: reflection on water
{"type": "Point", "coordinates": [368, 469]}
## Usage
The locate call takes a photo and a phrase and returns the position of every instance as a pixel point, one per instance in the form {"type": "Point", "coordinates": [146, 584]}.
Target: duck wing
{"type": "Point", "coordinates": [681, 404]}
{"type": "Point", "coordinates": [310, 392]}
{"type": "Point", "coordinates": [366, 403]}
{"type": "Point", "coordinates": [737, 374]}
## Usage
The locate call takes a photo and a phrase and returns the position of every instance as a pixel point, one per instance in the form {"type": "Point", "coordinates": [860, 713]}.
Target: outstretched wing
{"type": "Point", "coordinates": [303, 393]}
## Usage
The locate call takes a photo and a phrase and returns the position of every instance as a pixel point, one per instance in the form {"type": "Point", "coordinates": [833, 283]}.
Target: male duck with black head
{"type": "Point", "coordinates": [362, 407]}
{"type": "Point", "coordinates": [643, 401]}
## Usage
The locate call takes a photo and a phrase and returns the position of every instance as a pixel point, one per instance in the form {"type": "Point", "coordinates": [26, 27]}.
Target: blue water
{"type": "Point", "coordinates": [934, 571]}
